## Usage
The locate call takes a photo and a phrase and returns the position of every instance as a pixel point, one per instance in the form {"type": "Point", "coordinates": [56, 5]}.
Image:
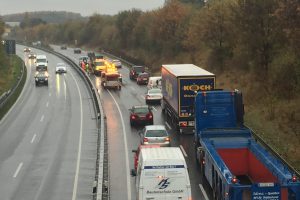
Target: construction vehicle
{"type": "Point", "coordinates": [110, 77]}
{"type": "Point", "coordinates": [235, 164]}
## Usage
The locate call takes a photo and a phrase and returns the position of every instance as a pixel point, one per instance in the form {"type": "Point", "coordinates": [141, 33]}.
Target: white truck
{"type": "Point", "coordinates": [162, 174]}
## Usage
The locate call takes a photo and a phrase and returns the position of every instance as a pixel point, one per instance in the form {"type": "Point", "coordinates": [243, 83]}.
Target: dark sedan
{"type": "Point", "coordinates": [141, 115]}
{"type": "Point", "coordinates": [41, 78]}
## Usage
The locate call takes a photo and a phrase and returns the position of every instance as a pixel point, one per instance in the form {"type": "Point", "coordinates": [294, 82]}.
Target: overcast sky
{"type": "Point", "coordinates": [84, 7]}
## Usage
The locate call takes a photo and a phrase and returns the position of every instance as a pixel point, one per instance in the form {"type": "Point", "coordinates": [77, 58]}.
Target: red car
{"type": "Point", "coordinates": [141, 115]}
{"type": "Point", "coordinates": [142, 78]}
{"type": "Point", "coordinates": [137, 153]}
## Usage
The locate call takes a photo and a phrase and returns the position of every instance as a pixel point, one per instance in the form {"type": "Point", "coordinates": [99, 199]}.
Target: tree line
{"type": "Point", "coordinates": [258, 36]}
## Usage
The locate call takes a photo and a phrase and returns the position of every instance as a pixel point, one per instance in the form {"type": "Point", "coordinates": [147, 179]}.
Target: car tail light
{"type": "Point", "coordinates": [183, 124]}
{"type": "Point", "coordinates": [234, 180]}
{"type": "Point", "coordinates": [147, 96]}
{"type": "Point", "coordinates": [145, 140]}
{"type": "Point", "coordinates": [149, 116]}
{"type": "Point", "coordinates": [167, 139]}
{"type": "Point", "coordinates": [133, 117]}
{"type": "Point", "coordinates": [294, 178]}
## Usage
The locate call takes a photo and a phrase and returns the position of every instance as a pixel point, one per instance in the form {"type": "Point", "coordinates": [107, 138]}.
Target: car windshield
{"type": "Point", "coordinates": [144, 75]}
{"type": "Point", "coordinates": [41, 68]}
{"type": "Point", "coordinates": [99, 63]}
{"type": "Point", "coordinates": [138, 69]}
{"type": "Point", "coordinates": [41, 60]}
{"type": "Point", "coordinates": [141, 110]}
{"type": "Point", "coordinates": [156, 133]}
{"type": "Point", "coordinates": [154, 91]}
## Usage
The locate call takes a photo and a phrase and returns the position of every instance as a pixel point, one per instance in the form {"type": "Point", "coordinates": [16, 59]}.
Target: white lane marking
{"type": "Point", "coordinates": [80, 143]}
{"type": "Point", "coordinates": [47, 104]}
{"type": "Point", "coordinates": [142, 96]}
{"type": "Point", "coordinates": [203, 192]}
{"type": "Point", "coordinates": [65, 90]}
{"type": "Point", "coordinates": [126, 148]}
{"type": "Point", "coordinates": [183, 151]}
{"type": "Point", "coordinates": [42, 118]}
{"type": "Point", "coordinates": [49, 94]}
{"type": "Point", "coordinates": [154, 108]}
{"type": "Point", "coordinates": [33, 138]}
{"type": "Point", "coordinates": [168, 125]}
{"type": "Point", "coordinates": [18, 170]}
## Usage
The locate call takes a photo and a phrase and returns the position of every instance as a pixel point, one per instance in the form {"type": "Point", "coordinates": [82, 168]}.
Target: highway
{"type": "Point", "coordinates": [48, 141]}
{"type": "Point", "coordinates": [122, 138]}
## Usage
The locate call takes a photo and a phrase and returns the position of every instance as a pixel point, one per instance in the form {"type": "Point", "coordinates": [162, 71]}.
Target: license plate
{"type": "Point", "coordinates": [144, 79]}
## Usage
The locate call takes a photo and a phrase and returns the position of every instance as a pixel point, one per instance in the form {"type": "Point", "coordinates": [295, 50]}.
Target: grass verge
{"type": "Point", "coordinates": [10, 79]}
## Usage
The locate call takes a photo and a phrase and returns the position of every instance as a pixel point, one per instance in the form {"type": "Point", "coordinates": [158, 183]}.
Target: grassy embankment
{"type": "Point", "coordinates": [10, 72]}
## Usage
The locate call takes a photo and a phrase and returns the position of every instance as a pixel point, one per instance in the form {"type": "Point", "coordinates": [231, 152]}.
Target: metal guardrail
{"type": "Point", "coordinates": [6, 95]}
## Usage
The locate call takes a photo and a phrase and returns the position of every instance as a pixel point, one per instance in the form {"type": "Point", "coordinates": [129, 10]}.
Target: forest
{"type": "Point", "coordinates": [253, 45]}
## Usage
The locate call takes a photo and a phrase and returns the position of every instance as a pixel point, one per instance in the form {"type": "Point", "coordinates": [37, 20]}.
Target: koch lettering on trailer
{"type": "Point", "coordinates": [266, 191]}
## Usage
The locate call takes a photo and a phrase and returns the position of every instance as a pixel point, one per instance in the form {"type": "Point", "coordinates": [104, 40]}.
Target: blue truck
{"type": "Point", "coordinates": [180, 83]}
{"type": "Point", "coordinates": [234, 163]}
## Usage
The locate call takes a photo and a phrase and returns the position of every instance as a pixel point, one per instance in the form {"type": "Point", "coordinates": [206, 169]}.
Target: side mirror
{"type": "Point", "coordinates": [132, 172]}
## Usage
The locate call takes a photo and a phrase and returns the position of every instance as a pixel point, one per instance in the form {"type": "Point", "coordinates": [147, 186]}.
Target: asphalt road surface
{"type": "Point", "coordinates": [122, 138]}
{"type": "Point", "coordinates": [48, 140]}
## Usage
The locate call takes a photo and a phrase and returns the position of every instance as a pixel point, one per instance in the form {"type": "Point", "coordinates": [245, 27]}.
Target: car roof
{"type": "Point", "coordinates": [137, 66]}
{"type": "Point", "coordinates": [60, 64]}
{"type": "Point", "coordinates": [155, 127]}
{"type": "Point", "coordinates": [141, 106]}
{"type": "Point", "coordinates": [154, 89]}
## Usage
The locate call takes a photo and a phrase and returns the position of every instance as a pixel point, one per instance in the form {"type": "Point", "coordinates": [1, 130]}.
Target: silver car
{"type": "Point", "coordinates": [155, 134]}
{"type": "Point", "coordinates": [153, 95]}
{"type": "Point", "coordinates": [61, 68]}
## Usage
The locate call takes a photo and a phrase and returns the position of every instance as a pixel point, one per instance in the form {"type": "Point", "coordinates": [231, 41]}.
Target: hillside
{"type": "Point", "coordinates": [47, 16]}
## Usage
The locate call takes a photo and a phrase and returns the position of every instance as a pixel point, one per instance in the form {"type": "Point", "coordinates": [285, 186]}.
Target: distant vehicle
{"type": "Point", "coordinates": [137, 153]}
{"type": "Point", "coordinates": [135, 71]}
{"type": "Point", "coordinates": [162, 174]}
{"type": "Point", "coordinates": [32, 56]}
{"type": "Point", "coordinates": [154, 81]}
{"type": "Point", "coordinates": [77, 51]}
{"type": "Point", "coordinates": [63, 47]}
{"type": "Point", "coordinates": [141, 115]}
{"type": "Point", "coordinates": [41, 60]}
{"type": "Point", "coordinates": [27, 49]}
{"type": "Point", "coordinates": [99, 56]}
{"type": "Point", "coordinates": [142, 78]}
{"type": "Point", "coordinates": [155, 134]}
{"type": "Point", "coordinates": [117, 63]}
{"type": "Point", "coordinates": [85, 59]}
{"type": "Point", "coordinates": [41, 78]}
{"type": "Point", "coordinates": [61, 68]}
{"type": "Point", "coordinates": [153, 95]}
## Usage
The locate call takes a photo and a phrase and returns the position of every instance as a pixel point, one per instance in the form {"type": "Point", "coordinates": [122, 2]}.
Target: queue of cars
{"type": "Point", "coordinates": [41, 76]}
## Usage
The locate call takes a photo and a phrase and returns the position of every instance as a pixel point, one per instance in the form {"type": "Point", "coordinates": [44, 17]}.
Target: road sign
{"type": "Point", "coordinates": [10, 47]}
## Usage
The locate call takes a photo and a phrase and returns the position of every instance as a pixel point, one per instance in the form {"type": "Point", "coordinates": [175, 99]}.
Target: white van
{"type": "Point", "coordinates": [41, 60]}
{"type": "Point", "coordinates": [162, 175]}
{"type": "Point", "coordinates": [154, 81]}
